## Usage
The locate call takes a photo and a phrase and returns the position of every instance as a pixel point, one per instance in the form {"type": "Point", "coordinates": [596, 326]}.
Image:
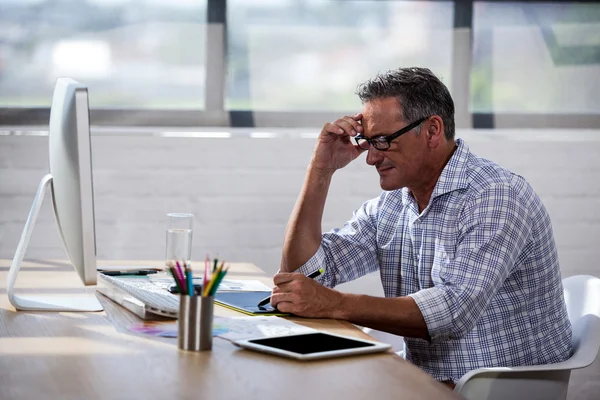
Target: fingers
{"type": "Point", "coordinates": [287, 287]}
{"type": "Point", "coordinates": [297, 294]}
{"type": "Point", "coordinates": [280, 297]}
{"type": "Point", "coordinates": [305, 299]}
{"type": "Point", "coordinates": [334, 129]}
{"type": "Point", "coordinates": [284, 307]}
{"type": "Point", "coordinates": [285, 277]}
{"type": "Point", "coordinates": [358, 122]}
{"type": "Point", "coordinates": [345, 126]}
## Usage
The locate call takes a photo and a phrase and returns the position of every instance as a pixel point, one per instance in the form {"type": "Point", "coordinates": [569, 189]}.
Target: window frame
{"type": "Point", "coordinates": [215, 115]}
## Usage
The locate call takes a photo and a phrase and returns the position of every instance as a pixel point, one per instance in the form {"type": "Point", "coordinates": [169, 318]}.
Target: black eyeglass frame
{"type": "Point", "coordinates": [385, 141]}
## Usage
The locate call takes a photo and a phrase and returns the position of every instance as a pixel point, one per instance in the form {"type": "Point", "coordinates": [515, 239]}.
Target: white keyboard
{"type": "Point", "coordinates": [155, 298]}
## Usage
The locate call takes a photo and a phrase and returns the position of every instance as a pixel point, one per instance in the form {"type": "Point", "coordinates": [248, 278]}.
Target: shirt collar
{"type": "Point", "coordinates": [453, 176]}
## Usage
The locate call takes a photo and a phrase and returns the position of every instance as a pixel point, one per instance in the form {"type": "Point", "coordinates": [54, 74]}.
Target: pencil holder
{"type": "Point", "coordinates": [195, 323]}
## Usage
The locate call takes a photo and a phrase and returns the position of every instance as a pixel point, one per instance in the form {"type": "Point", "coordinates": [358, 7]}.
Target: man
{"type": "Point", "coordinates": [464, 247]}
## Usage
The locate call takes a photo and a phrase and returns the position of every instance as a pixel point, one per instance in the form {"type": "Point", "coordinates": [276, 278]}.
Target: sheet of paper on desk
{"type": "Point", "coordinates": [242, 285]}
{"type": "Point", "coordinates": [230, 328]}
{"type": "Point", "coordinates": [227, 285]}
{"type": "Point", "coordinates": [238, 328]}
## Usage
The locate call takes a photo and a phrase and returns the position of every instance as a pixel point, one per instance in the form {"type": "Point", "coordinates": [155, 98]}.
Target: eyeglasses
{"type": "Point", "coordinates": [383, 142]}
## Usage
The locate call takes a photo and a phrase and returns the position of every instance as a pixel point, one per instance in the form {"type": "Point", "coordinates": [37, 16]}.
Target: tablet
{"type": "Point", "coordinates": [314, 345]}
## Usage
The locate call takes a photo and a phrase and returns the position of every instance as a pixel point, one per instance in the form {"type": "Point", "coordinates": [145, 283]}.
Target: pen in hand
{"type": "Point", "coordinates": [267, 299]}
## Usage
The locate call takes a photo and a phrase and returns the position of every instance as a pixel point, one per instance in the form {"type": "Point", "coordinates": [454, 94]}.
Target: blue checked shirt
{"type": "Point", "coordinates": [479, 261]}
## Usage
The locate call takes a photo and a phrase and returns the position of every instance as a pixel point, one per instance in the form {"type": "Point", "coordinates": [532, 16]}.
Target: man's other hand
{"type": "Point", "coordinates": [295, 293]}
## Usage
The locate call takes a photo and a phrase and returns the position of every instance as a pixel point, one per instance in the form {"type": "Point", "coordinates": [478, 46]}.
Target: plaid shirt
{"type": "Point", "coordinates": [479, 261]}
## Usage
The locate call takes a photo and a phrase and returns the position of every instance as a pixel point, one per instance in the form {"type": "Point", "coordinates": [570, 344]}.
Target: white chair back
{"type": "Point", "coordinates": [550, 381]}
{"type": "Point", "coordinates": [582, 295]}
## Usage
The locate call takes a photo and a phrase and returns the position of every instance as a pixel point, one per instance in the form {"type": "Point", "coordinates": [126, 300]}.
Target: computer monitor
{"type": "Point", "coordinates": [70, 180]}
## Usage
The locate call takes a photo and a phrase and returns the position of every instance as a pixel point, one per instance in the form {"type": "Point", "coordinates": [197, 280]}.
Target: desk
{"type": "Point", "coordinates": [92, 355]}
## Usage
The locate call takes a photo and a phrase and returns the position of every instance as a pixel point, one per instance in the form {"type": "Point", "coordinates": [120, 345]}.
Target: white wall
{"type": "Point", "coordinates": [242, 190]}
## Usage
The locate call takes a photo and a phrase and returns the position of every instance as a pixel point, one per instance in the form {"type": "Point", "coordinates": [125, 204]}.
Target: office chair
{"type": "Point", "coordinates": [550, 381]}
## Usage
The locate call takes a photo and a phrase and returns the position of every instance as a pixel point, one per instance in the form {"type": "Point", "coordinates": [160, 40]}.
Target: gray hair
{"type": "Point", "coordinates": [419, 92]}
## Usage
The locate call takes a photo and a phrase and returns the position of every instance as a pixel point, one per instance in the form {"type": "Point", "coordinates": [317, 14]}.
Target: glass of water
{"type": "Point", "coordinates": [179, 237]}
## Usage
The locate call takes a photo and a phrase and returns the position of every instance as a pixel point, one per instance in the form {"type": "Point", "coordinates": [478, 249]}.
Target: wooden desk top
{"type": "Point", "coordinates": [92, 355]}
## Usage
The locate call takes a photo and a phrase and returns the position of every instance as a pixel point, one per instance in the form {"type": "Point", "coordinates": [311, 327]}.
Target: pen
{"type": "Point", "coordinates": [311, 276]}
{"type": "Point", "coordinates": [138, 272]}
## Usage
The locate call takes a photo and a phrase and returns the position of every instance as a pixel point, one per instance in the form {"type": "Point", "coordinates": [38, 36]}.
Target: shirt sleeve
{"type": "Point", "coordinates": [493, 230]}
{"type": "Point", "coordinates": [349, 252]}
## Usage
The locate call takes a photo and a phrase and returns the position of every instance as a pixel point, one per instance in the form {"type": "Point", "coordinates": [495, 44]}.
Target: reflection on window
{"type": "Point", "coordinates": [536, 58]}
{"type": "Point", "coordinates": [310, 55]}
{"type": "Point", "coordinates": [138, 54]}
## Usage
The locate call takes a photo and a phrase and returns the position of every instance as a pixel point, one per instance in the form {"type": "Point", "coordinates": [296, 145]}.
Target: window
{"type": "Point", "coordinates": [296, 63]}
{"type": "Point", "coordinates": [536, 58]}
{"type": "Point", "coordinates": [287, 55]}
{"type": "Point", "coordinates": [131, 54]}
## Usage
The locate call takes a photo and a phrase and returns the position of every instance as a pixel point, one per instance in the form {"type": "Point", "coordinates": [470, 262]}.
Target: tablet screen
{"type": "Point", "coordinates": [311, 343]}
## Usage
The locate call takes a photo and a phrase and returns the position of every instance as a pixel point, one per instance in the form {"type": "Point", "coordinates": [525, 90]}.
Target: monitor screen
{"type": "Point", "coordinates": [71, 169]}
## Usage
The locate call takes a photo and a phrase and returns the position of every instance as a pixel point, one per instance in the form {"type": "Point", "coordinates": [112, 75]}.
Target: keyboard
{"type": "Point", "coordinates": [150, 296]}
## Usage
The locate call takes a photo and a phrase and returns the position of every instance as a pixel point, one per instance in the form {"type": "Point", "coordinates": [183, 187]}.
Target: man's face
{"type": "Point", "coordinates": [400, 165]}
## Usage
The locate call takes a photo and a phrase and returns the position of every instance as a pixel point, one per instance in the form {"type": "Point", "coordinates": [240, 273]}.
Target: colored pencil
{"type": "Point", "coordinates": [215, 287]}
{"type": "Point", "coordinates": [172, 270]}
{"type": "Point", "coordinates": [188, 276]}
{"type": "Point", "coordinates": [206, 272]}
{"type": "Point", "coordinates": [181, 275]}
{"type": "Point", "coordinates": [207, 288]}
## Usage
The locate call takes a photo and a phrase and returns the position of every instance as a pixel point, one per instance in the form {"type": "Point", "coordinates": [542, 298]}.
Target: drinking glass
{"type": "Point", "coordinates": [179, 237]}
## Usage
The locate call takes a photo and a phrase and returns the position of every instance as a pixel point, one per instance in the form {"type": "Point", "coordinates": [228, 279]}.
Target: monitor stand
{"type": "Point", "coordinates": [42, 303]}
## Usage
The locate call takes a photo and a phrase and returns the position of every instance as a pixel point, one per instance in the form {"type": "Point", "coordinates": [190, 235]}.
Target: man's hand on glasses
{"type": "Point", "coordinates": [335, 149]}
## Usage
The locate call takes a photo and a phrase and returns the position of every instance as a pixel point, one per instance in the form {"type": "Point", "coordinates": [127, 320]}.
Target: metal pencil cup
{"type": "Point", "coordinates": [195, 323]}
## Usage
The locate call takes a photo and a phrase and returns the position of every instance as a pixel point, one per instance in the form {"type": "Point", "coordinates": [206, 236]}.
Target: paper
{"type": "Point", "coordinates": [227, 285]}
{"type": "Point", "coordinates": [239, 328]}
{"type": "Point", "coordinates": [169, 328]}
{"type": "Point", "coordinates": [234, 328]}
{"type": "Point", "coordinates": [242, 285]}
